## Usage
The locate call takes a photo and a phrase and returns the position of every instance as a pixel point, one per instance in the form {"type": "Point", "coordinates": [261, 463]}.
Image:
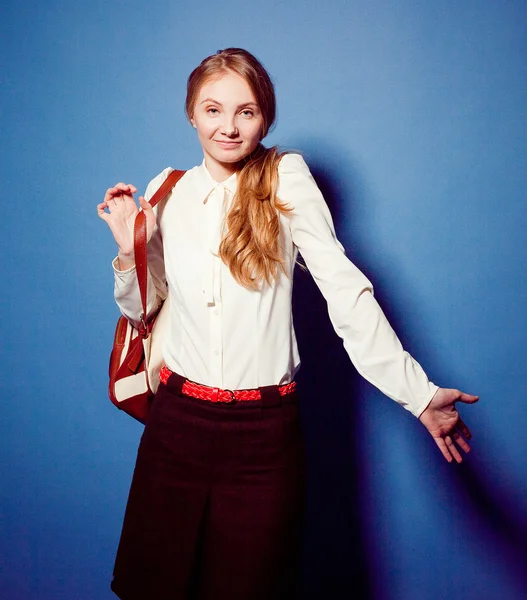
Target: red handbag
{"type": "Point", "coordinates": [136, 355]}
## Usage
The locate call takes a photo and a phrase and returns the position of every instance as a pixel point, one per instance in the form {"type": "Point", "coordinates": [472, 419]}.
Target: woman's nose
{"type": "Point", "coordinates": [229, 128]}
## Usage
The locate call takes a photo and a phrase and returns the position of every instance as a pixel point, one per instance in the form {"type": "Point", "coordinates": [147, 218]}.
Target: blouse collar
{"type": "Point", "coordinates": [209, 183]}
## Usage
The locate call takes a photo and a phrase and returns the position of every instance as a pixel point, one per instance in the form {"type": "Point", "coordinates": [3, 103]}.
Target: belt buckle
{"type": "Point", "coordinates": [233, 397]}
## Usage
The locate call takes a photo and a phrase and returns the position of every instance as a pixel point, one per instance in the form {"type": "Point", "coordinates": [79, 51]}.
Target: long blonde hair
{"type": "Point", "coordinates": [251, 240]}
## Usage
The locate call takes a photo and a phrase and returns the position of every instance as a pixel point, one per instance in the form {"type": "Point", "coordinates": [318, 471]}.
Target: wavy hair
{"type": "Point", "coordinates": [250, 246]}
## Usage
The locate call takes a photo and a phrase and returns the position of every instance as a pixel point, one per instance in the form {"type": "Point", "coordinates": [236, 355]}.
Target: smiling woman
{"type": "Point", "coordinates": [228, 121]}
{"type": "Point", "coordinates": [216, 503]}
{"type": "Point", "coordinates": [231, 102]}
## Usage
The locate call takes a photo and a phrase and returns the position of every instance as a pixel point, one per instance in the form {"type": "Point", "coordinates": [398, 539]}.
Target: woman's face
{"type": "Point", "coordinates": [228, 121]}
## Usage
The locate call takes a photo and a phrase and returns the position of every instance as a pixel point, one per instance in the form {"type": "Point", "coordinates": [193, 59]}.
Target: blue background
{"type": "Point", "coordinates": [412, 116]}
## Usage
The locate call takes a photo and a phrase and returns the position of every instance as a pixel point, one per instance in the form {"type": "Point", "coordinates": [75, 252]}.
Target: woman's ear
{"type": "Point", "coordinates": [193, 123]}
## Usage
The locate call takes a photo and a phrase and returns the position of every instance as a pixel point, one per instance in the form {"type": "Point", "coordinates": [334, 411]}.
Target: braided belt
{"type": "Point", "coordinates": [214, 394]}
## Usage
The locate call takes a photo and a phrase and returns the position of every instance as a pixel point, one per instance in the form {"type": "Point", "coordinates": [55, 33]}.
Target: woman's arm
{"type": "Point", "coordinates": [121, 216]}
{"type": "Point", "coordinates": [369, 339]}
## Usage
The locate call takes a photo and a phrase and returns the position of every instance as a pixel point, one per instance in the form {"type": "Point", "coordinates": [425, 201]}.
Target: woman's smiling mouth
{"type": "Point", "coordinates": [228, 145]}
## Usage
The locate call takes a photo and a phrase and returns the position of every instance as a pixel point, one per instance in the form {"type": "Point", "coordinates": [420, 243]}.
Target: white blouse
{"type": "Point", "coordinates": [223, 335]}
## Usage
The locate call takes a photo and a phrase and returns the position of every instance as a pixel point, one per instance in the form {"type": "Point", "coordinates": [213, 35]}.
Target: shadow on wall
{"type": "Point", "coordinates": [497, 518]}
{"type": "Point", "coordinates": [336, 562]}
{"type": "Point", "coordinates": [334, 558]}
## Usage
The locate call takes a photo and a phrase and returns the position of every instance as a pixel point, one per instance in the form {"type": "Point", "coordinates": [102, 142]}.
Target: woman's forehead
{"type": "Point", "coordinates": [226, 86]}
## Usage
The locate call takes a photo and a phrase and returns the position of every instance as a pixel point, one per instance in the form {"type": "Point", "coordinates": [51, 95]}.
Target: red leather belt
{"type": "Point", "coordinates": [213, 394]}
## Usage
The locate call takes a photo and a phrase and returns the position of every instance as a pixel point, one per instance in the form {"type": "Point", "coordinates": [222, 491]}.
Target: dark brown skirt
{"type": "Point", "coordinates": [217, 499]}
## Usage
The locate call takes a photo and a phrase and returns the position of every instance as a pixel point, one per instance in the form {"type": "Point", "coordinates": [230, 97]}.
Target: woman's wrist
{"type": "Point", "coordinates": [126, 260]}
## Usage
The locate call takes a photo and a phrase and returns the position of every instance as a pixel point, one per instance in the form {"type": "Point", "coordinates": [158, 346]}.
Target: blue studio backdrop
{"type": "Point", "coordinates": [412, 116]}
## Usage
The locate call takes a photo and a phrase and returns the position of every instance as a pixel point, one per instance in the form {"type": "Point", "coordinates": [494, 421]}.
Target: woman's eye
{"type": "Point", "coordinates": [247, 113]}
{"type": "Point", "coordinates": [212, 110]}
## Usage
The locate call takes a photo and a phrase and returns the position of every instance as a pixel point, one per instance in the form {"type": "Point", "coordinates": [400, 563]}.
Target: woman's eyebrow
{"type": "Point", "coordinates": [244, 104]}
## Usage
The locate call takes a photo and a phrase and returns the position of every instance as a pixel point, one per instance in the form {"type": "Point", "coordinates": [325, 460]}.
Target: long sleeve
{"type": "Point", "coordinates": [369, 340]}
{"type": "Point", "coordinates": [126, 288]}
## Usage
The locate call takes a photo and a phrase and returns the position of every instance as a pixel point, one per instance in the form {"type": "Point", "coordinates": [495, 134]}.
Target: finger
{"type": "Point", "coordinates": [458, 439]}
{"type": "Point", "coordinates": [125, 187]}
{"type": "Point", "coordinates": [119, 189]}
{"type": "Point", "coordinates": [112, 194]}
{"type": "Point", "coordinates": [467, 398]}
{"type": "Point", "coordinates": [108, 204]}
{"type": "Point", "coordinates": [106, 207]}
{"type": "Point", "coordinates": [146, 206]}
{"type": "Point", "coordinates": [444, 450]}
{"type": "Point", "coordinates": [125, 190]}
{"type": "Point", "coordinates": [100, 211]}
{"type": "Point", "coordinates": [452, 449]}
{"type": "Point", "coordinates": [463, 429]}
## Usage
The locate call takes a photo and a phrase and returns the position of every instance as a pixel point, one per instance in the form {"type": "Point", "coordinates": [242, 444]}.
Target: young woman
{"type": "Point", "coordinates": [215, 505]}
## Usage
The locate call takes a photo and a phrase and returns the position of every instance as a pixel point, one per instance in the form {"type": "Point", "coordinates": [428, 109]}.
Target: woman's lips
{"type": "Point", "coordinates": [228, 145]}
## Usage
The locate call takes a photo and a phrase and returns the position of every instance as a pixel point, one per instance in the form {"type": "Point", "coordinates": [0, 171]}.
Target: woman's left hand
{"type": "Point", "coordinates": [444, 423]}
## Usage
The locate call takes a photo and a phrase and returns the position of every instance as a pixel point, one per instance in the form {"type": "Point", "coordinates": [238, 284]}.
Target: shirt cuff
{"type": "Point", "coordinates": [417, 412]}
{"type": "Point", "coordinates": [117, 271]}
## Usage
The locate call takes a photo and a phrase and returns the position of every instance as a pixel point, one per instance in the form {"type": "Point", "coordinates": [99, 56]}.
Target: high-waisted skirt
{"type": "Point", "coordinates": [216, 504]}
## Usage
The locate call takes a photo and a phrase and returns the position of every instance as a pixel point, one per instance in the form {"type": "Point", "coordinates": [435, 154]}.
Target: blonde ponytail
{"type": "Point", "coordinates": [251, 243]}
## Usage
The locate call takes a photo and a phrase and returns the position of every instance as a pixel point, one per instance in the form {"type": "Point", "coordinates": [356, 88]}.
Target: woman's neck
{"type": "Point", "coordinates": [219, 171]}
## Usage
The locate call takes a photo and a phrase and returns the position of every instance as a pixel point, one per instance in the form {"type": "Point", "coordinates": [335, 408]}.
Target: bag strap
{"type": "Point", "coordinates": [140, 252]}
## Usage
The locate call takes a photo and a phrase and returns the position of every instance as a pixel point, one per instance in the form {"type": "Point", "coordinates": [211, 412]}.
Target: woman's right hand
{"type": "Point", "coordinates": [120, 216]}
